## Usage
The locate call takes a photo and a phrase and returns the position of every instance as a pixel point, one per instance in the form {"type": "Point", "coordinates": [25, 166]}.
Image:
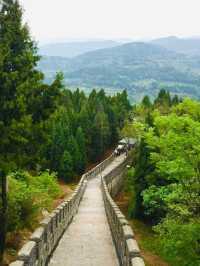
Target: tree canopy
{"type": "Point", "coordinates": [165, 180]}
{"type": "Point", "coordinates": [44, 126]}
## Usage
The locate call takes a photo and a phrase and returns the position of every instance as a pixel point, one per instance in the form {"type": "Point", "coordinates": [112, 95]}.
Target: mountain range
{"type": "Point", "coordinates": [142, 68]}
{"type": "Point", "coordinates": [189, 46]}
{"type": "Point", "coordinates": [75, 48]}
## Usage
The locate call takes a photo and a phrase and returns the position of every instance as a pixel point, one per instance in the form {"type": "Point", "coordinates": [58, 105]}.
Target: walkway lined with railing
{"type": "Point", "coordinates": [88, 240]}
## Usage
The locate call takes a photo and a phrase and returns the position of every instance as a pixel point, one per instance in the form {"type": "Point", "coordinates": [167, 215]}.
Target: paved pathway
{"type": "Point", "coordinates": [88, 241]}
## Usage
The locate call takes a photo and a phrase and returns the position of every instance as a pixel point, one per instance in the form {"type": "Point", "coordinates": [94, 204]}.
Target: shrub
{"type": "Point", "coordinates": [28, 195]}
{"type": "Point", "coordinates": [21, 207]}
{"type": "Point", "coordinates": [180, 242]}
{"type": "Point", "coordinates": [47, 183]}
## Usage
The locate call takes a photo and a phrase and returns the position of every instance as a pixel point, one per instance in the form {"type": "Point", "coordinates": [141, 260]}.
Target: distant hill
{"type": "Point", "coordinates": [71, 49]}
{"type": "Point", "coordinates": [190, 46]}
{"type": "Point", "coordinates": [141, 68]}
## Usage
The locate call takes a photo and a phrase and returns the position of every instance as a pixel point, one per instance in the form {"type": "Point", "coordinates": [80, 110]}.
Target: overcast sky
{"type": "Point", "coordinates": [55, 20]}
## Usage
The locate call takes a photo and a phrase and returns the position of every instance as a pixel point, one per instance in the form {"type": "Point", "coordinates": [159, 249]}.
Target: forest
{"type": "Point", "coordinates": [51, 134]}
{"type": "Point", "coordinates": [48, 133]}
{"type": "Point", "coordinates": [164, 181]}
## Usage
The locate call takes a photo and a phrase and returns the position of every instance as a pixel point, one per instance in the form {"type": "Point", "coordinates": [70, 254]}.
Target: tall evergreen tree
{"type": "Point", "coordinates": [18, 58]}
{"type": "Point", "coordinates": [80, 139]}
{"type": "Point", "coordinates": [146, 102]}
{"type": "Point", "coordinates": [25, 102]}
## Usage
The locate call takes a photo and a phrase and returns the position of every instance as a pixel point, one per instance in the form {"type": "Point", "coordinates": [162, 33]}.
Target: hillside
{"type": "Point", "coordinates": [141, 68]}
{"type": "Point", "coordinates": [190, 46]}
{"type": "Point", "coordinates": [71, 49]}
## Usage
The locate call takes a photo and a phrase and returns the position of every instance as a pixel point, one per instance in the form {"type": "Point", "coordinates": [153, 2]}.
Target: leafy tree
{"type": "Point", "coordinates": [166, 179]}
{"type": "Point", "coordinates": [143, 169]}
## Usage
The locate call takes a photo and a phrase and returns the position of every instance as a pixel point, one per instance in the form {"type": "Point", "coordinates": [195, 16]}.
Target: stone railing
{"type": "Point", "coordinates": [45, 238]}
{"type": "Point", "coordinates": [37, 251]}
{"type": "Point", "coordinates": [123, 236]}
{"type": "Point", "coordinates": [100, 167]}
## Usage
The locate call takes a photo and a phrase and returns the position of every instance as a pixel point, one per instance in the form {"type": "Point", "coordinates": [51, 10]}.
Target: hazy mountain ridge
{"type": "Point", "coordinates": [189, 46]}
{"type": "Point", "coordinates": [142, 68]}
{"type": "Point", "coordinates": [72, 49]}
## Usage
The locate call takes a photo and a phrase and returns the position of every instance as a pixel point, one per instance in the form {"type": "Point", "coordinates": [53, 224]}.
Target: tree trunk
{"type": "Point", "coordinates": [3, 213]}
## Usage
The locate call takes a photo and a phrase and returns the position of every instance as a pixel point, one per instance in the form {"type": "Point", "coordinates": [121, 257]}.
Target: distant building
{"type": "Point", "coordinates": [130, 142]}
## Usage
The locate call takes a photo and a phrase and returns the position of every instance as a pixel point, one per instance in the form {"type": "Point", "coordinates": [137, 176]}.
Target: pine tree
{"type": "Point", "coordinates": [18, 58]}
{"type": "Point", "coordinates": [163, 98]}
{"type": "Point", "coordinates": [66, 167]}
{"type": "Point", "coordinates": [80, 139]}
{"type": "Point", "coordinates": [25, 102]}
{"type": "Point", "coordinates": [146, 102]}
{"type": "Point", "coordinates": [72, 148]}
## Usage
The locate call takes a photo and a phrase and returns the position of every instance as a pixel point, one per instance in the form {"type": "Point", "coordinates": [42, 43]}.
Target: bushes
{"type": "Point", "coordinates": [46, 183]}
{"type": "Point", "coordinates": [179, 242]}
{"type": "Point", "coordinates": [27, 196]}
{"type": "Point", "coordinates": [166, 179]}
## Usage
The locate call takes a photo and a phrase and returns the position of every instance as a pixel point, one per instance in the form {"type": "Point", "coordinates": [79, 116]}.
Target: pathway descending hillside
{"type": "Point", "coordinates": [88, 240]}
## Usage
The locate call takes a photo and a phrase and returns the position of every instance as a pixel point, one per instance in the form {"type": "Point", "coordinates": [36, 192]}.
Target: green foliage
{"type": "Point", "coordinates": [44, 126]}
{"type": "Point", "coordinates": [25, 101]}
{"type": "Point", "coordinates": [166, 179]}
{"type": "Point", "coordinates": [179, 242]}
{"type": "Point", "coordinates": [66, 167]}
{"type": "Point", "coordinates": [81, 130]}
{"type": "Point", "coordinates": [46, 182]}
{"type": "Point", "coordinates": [27, 195]}
{"type": "Point", "coordinates": [163, 98]}
{"type": "Point", "coordinates": [146, 102]}
{"type": "Point", "coordinates": [82, 159]}
{"type": "Point", "coordinates": [153, 200]}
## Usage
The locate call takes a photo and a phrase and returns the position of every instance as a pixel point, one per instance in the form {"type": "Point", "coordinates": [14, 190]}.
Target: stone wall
{"type": "Point", "coordinates": [123, 236]}
{"type": "Point", "coordinates": [37, 251]}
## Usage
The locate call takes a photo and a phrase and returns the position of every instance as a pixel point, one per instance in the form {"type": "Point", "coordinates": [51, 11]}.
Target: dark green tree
{"type": "Point", "coordinates": [18, 59]}
{"type": "Point", "coordinates": [25, 102]}
{"type": "Point", "coordinates": [143, 169]}
{"type": "Point", "coordinates": [73, 149]}
{"type": "Point", "coordinates": [175, 100]}
{"type": "Point", "coordinates": [66, 167]}
{"type": "Point", "coordinates": [80, 139]}
{"type": "Point", "coordinates": [146, 102]}
{"type": "Point", "coordinates": [163, 98]}
{"type": "Point", "coordinates": [59, 132]}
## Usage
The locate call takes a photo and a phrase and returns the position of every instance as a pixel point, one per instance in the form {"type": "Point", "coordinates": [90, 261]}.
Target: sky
{"type": "Point", "coordinates": [59, 20]}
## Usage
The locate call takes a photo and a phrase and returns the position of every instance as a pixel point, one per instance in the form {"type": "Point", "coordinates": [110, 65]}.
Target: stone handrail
{"type": "Point", "coordinates": [37, 251]}
{"type": "Point", "coordinates": [100, 167]}
{"type": "Point", "coordinates": [123, 236]}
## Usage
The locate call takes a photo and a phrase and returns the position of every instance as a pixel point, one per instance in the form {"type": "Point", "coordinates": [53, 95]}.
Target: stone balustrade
{"type": "Point", "coordinates": [100, 167]}
{"type": "Point", "coordinates": [123, 236]}
{"type": "Point", "coordinates": [37, 251]}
